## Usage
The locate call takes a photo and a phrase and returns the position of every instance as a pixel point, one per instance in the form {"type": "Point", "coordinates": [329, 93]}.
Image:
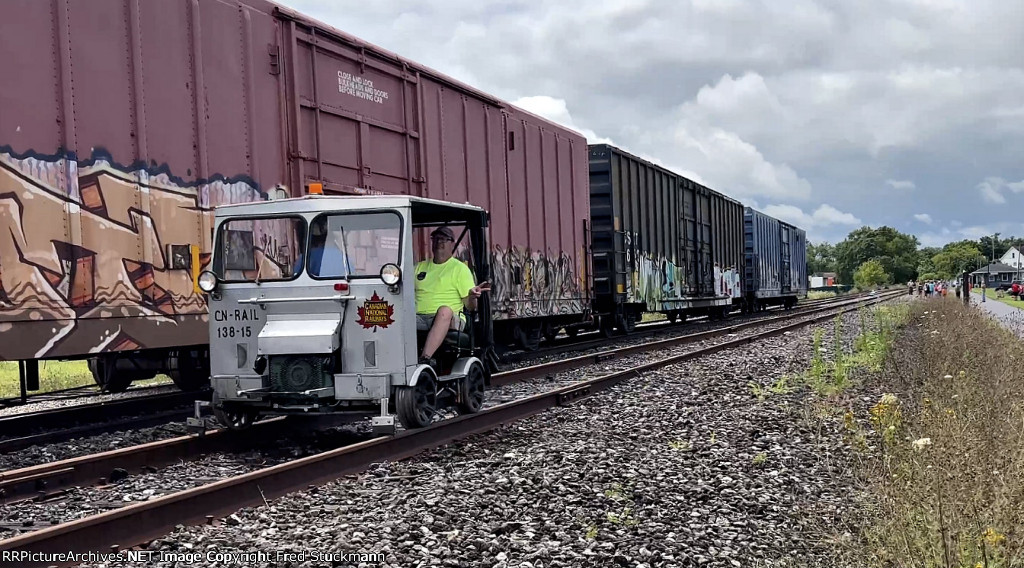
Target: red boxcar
{"type": "Point", "coordinates": [123, 122]}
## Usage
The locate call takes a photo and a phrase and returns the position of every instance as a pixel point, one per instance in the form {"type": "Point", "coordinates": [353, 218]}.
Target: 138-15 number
{"type": "Point", "coordinates": [227, 331]}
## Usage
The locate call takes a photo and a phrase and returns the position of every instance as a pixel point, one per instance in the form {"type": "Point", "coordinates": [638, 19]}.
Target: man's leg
{"type": "Point", "coordinates": [442, 322]}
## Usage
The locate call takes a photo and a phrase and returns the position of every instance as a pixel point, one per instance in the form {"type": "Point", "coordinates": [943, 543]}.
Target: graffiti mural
{"type": "Point", "coordinates": [530, 284]}
{"type": "Point", "coordinates": [85, 261]}
{"type": "Point", "coordinates": [727, 282]}
{"type": "Point", "coordinates": [659, 283]}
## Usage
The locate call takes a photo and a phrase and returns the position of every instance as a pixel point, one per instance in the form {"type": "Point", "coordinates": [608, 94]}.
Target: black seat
{"type": "Point", "coordinates": [457, 338]}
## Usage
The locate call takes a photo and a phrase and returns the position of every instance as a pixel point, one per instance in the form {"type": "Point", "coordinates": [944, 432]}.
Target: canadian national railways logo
{"type": "Point", "coordinates": [376, 313]}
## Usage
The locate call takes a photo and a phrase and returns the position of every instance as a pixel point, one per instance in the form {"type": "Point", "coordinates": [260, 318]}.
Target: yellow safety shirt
{"type": "Point", "coordinates": [443, 284]}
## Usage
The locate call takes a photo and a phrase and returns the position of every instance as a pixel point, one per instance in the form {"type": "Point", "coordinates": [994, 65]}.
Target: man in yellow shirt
{"type": "Point", "coordinates": [444, 285]}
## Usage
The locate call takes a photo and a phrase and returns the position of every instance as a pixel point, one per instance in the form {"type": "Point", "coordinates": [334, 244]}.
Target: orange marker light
{"type": "Point", "coordinates": [316, 188]}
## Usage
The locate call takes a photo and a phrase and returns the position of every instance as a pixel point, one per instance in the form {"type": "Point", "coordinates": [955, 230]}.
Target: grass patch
{"type": "Point", "coordinates": [653, 316]}
{"type": "Point", "coordinates": [831, 376]}
{"type": "Point", "coordinates": [821, 294]}
{"type": "Point", "coordinates": [56, 375]}
{"type": "Point", "coordinates": [942, 453]}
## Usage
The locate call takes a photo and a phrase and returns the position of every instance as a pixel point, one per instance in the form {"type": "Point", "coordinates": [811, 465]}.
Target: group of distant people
{"type": "Point", "coordinates": [930, 288]}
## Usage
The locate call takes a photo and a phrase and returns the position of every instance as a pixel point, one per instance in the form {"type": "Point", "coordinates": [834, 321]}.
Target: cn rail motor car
{"type": "Point", "coordinates": [326, 321]}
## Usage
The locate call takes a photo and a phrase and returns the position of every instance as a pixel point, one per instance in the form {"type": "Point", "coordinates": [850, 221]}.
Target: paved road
{"type": "Point", "coordinates": [1010, 316]}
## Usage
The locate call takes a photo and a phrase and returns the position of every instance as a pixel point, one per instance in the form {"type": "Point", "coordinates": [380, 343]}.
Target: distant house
{"type": "Point", "coordinates": [997, 273]}
{"type": "Point", "coordinates": [822, 280]}
{"type": "Point", "coordinates": [1012, 258]}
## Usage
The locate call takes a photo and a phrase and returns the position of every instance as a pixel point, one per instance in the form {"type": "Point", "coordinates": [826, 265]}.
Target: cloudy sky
{"type": "Point", "coordinates": [827, 113]}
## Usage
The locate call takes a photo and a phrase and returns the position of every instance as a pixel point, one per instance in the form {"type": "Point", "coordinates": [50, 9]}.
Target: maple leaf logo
{"type": "Point", "coordinates": [376, 312]}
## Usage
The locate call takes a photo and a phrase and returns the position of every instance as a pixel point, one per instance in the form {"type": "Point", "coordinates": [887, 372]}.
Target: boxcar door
{"type": "Point", "coordinates": [353, 117]}
{"type": "Point", "coordinates": [784, 273]}
{"type": "Point", "coordinates": [688, 239]}
{"type": "Point", "coordinates": [705, 258]}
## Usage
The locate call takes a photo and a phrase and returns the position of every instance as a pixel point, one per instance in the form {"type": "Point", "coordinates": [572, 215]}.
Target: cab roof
{"type": "Point", "coordinates": [424, 210]}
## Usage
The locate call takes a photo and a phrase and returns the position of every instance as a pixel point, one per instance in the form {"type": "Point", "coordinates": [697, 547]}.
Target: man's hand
{"type": "Point", "coordinates": [477, 291]}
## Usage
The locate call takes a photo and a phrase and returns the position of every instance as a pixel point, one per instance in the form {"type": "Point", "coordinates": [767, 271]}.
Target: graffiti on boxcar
{"type": "Point", "coordinates": [84, 261]}
{"type": "Point", "coordinates": [727, 282]}
{"type": "Point", "coordinates": [656, 280]}
{"type": "Point", "coordinates": [529, 284]}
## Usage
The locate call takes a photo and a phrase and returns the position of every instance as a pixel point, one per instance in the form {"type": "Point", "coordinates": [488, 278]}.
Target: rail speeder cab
{"type": "Point", "coordinates": [313, 310]}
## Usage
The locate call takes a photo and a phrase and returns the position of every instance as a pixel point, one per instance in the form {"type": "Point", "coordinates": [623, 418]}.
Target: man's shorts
{"type": "Point", "coordinates": [425, 321]}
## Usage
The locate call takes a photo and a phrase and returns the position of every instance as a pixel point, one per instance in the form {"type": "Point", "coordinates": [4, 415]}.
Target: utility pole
{"type": "Point", "coordinates": [988, 276]}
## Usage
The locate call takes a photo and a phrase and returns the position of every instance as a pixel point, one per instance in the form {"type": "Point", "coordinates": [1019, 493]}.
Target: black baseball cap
{"type": "Point", "coordinates": [445, 231]}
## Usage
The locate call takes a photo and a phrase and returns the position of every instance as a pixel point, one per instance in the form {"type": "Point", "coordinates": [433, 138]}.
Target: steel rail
{"type": "Point", "coordinates": [25, 423]}
{"type": "Point", "coordinates": [18, 430]}
{"type": "Point", "coordinates": [139, 523]}
{"type": "Point", "coordinates": [546, 369]}
{"type": "Point", "coordinates": [46, 480]}
{"type": "Point", "coordinates": [71, 393]}
{"type": "Point", "coordinates": [591, 339]}
{"type": "Point", "coordinates": [8, 445]}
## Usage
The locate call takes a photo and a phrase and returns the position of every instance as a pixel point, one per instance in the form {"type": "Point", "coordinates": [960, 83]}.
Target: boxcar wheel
{"type": "Point", "coordinates": [107, 376]}
{"type": "Point", "coordinates": [527, 336]}
{"type": "Point", "coordinates": [191, 374]}
{"type": "Point", "coordinates": [417, 405]}
{"type": "Point", "coordinates": [471, 391]}
{"type": "Point", "coordinates": [626, 322]}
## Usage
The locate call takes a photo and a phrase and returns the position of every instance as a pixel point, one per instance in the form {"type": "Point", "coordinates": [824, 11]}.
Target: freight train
{"type": "Point", "coordinates": [125, 123]}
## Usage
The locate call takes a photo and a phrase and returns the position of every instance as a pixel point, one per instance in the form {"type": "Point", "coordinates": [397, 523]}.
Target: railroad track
{"type": "Point", "coordinates": [593, 339]}
{"type": "Point", "coordinates": [50, 426]}
{"type": "Point", "coordinates": [21, 430]}
{"type": "Point", "coordinates": [139, 523]}
{"type": "Point", "coordinates": [73, 393]}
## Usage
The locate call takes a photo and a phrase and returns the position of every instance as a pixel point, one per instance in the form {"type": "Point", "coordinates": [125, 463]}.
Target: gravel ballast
{"type": "Point", "coordinates": [684, 466]}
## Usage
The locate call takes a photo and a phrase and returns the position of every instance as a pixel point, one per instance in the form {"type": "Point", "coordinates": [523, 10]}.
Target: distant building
{"type": "Point", "coordinates": [822, 280]}
{"type": "Point", "coordinates": [998, 273]}
{"type": "Point", "coordinates": [1012, 258]}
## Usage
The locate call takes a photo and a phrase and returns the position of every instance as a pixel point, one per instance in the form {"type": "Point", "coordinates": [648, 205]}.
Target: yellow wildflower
{"type": "Point", "coordinates": [993, 537]}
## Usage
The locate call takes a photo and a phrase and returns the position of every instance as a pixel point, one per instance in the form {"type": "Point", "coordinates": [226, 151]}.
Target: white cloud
{"type": "Point", "coordinates": [898, 184]}
{"type": "Point", "coordinates": [824, 216]}
{"type": "Point", "coordinates": [557, 111]}
{"type": "Point", "coordinates": [992, 189]}
{"type": "Point", "coordinates": [924, 218]}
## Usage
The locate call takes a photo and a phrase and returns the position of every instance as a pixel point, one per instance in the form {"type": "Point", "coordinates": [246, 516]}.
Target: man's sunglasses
{"type": "Point", "coordinates": [441, 238]}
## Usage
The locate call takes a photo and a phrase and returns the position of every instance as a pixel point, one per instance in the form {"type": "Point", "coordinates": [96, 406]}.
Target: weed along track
{"type": "Point", "coordinates": [518, 462]}
{"type": "Point", "coordinates": [935, 440]}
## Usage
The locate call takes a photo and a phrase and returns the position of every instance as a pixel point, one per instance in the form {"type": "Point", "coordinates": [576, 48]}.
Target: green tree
{"type": "Point", "coordinates": [954, 258]}
{"type": "Point", "coordinates": [926, 263]}
{"type": "Point", "coordinates": [895, 251]}
{"type": "Point", "coordinates": [871, 273]}
{"type": "Point", "coordinates": [993, 247]}
{"type": "Point", "coordinates": [821, 257]}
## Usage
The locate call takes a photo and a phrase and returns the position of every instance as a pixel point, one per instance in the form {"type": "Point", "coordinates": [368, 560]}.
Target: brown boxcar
{"type": "Point", "coordinates": [661, 242]}
{"type": "Point", "coordinates": [124, 122]}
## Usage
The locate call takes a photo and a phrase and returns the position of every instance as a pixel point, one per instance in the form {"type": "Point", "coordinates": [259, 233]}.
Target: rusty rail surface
{"type": "Point", "coordinates": [139, 523]}
{"type": "Point", "coordinates": [552, 367]}
{"type": "Point", "coordinates": [591, 339]}
{"type": "Point", "coordinates": [23, 424]}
